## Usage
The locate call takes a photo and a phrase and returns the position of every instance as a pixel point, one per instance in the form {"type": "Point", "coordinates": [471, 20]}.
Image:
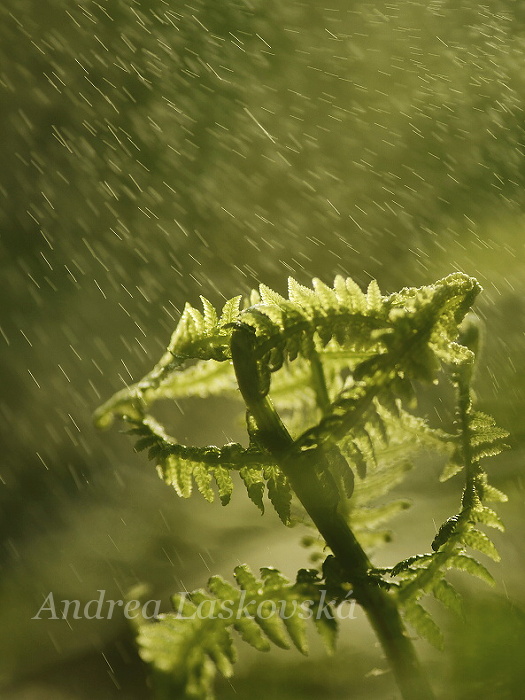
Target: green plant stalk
{"type": "Point", "coordinates": [301, 468]}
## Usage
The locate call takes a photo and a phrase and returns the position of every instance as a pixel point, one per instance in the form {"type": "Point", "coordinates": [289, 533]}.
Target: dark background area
{"type": "Point", "coordinates": [152, 151]}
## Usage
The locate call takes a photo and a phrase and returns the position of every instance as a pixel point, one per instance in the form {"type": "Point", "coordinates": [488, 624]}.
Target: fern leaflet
{"type": "Point", "coordinates": [192, 644]}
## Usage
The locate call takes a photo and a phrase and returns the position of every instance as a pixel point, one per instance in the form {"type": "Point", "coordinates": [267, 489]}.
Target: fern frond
{"type": "Point", "coordinates": [413, 340]}
{"type": "Point", "coordinates": [202, 379]}
{"type": "Point", "coordinates": [181, 466]}
{"type": "Point", "coordinates": [447, 595]}
{"type": "Point", "coordinates": [341, 365]}
{"type": "Point", "coordinates": [254, 481]}
{"type": "Point", "coordinates": [478, 540]}
{"type": "Point", "coordinates": [477, 437]}
{"type": "Point", "coordinates": [464, 562]}
{"type": "Point", "coordinates": [195, 642]}
{"type": "Point", "coordinates": [486, 516]}
{"type": "Point", "coordinates": [374, 300]}
{"type": "Point", "coordinates": [279, 492]}
{"type": "Point", "coordinates": [201, 336]}
{"type": "Point", "coordinates": [423, 624]}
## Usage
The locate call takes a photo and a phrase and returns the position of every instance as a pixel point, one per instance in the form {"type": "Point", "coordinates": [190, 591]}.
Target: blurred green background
{"type": "Point", "coordinates": [154, 150]}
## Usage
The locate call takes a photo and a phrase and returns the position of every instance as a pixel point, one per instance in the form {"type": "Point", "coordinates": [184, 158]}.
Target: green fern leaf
{"type": "Point", "coordinates": [453, 467]}
{"type": "Point", "coordinates": [493, 495]}
{"type": "Point", "coordinates": [486, 516]}
{"type": "Point", "coordinates": [196, 324]}
{"type": "Point", "coordinates": [274, 582]}
{"type": "Point", "coordinates": [268, 296]}
{"type": "Point", "coordinates": [230, 311]}
{"type": "Point", "coordinates": [341, 292]}
{"type": "Point", "coordinates": [295, 625]}
{"type": "Point", "coordinates": [447, 594]}
{"type": "Point", "coordinates": [327, 296]}
{"type": "Point", "coordinates": [453, 353]}
{"type": "Point", "coordinates": [254, 482]}
{"type": "Point", "coordinates": [479, 540]}
{"type": "Point", "coordinates": [203, 480]}
{"type": "Point", "coordinates": [204, 378]}
{"type": "Point", "coordinates": [270, 623]}
{"type": "Point", "coordinates": [464, 562]}
{"type": "Point", "coordinates": [420, 620]}
{"type": "Point", "coordinates": [341, 366]}
{"type": "Point", "coordinates": [177, 472]}
{"type": "Point", "coordinates": [224, 484]}
{"type": "Point", "coordinates": [243, 622]}
{"type": "Point", "coordinates": [279, 492]}
{"type": "Point", "coordinates": [487, 450]}
{"type": "Point", "coordinates": [356, 298]}
{"type": "Point", "coordinates": [210, 316]}
{"type": "Point", "coordinates": [299, 294]}
{"type": "Point", "coordinates": [374, 301]}
{"type": "Point", "coordinates": [165, 643]}
{"type": "Point", "coordinates": [265, 320]}
{"type": "Point", "coordinates": [485, 430]}
{"type": "Point", "coordinates": [191, 645]}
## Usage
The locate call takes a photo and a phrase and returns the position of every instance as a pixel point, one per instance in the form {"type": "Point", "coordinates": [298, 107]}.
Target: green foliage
{"type": "Point", "coordinates": [476, 437]}
{"type": "Point", "coordinates": [187, 647]}
{"type": "Point", "coordinates": [340, 366]}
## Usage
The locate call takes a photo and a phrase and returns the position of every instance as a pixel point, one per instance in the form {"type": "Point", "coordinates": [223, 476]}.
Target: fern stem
{"type": "Point", "coordinates": [380, 607]}
{"type": "Point", "coordinates": [383, 614]}
{"type": "Point", "coordinates": [302, 469]}
{"type": "Point", "coordinates": [464, 408]}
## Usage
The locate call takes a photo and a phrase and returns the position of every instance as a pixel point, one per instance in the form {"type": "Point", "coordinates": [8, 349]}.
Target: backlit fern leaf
{"type": "Point", "coordinates": [447, 595]}
{"type": "Point", "coordinates": [201, 335]}
{"type": "Point", "coordinates": [422, 622]}
{"type": "Point", "coordinates": [189, 646]}
{"type": "Point", "coordinates": [373, 297]}
{"type": "Point", "coordinates": [180, 466]}
{"type": "Point", "coordinates": [460, 531]}
{"type": "Point", "coordinates": [254, 481]}
{"type": "Point", "coordinates": [279, 492]}
{"type": "Point", "coordinates": [202, 379]}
